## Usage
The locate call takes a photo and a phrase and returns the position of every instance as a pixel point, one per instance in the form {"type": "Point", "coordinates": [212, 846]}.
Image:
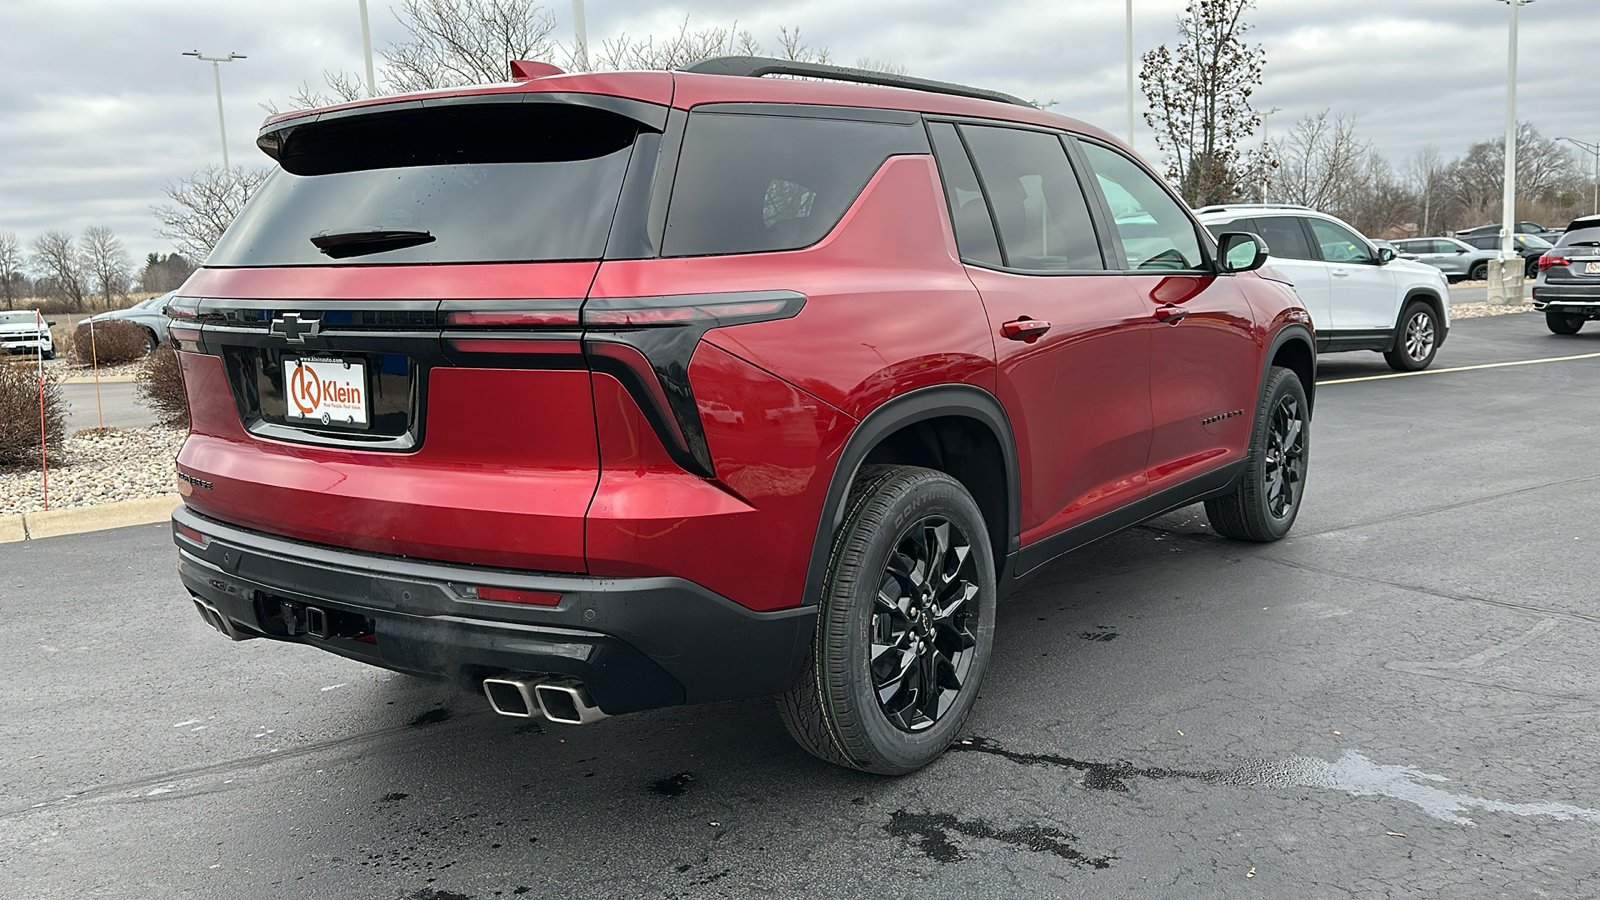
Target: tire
{"type": "Point", "coordinates": [893, 515]}
{"type": "Point", "coordinates": [1531, 270]}
{"type": "Point", "coordinates": [48, 354]}
{"type": "Point", "coordinates": [150, 342]}
{"type": "Point", "coordinates": [1417, 339]}
{"type": "Point", "coordinates": [1561, 323]}
{"type": "Point", "coordinates": [1263, 506]}
{"type": "Point", "coordinates": [1478, 272]}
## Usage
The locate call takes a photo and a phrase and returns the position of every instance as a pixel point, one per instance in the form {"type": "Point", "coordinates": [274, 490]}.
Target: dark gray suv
{"type": "Point", "coordinates": [1568, 288]}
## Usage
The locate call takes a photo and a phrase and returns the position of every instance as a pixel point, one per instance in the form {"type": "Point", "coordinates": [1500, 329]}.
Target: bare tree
{"type": "Point", "coordinates": [1320, 161]}
{"type": "Point", "coordinates": [55, 258]}
{"type": "Point", "coordinates": [623, 52]}
{"type": "Point", "coordinates": [1545, 170]}
{"type": "Point", "coordinates": [105, 263]}
{"type": "Point", "coordinates": [457, 42]}
{"type": "Point", "coordinates": [204, 205]}
{"type": "Point", "coordinates": [10, 266]}
{"type": "Point", "coordinates": [1199, 94]}
{"type": "Point", "coordinates": [1423, 172]}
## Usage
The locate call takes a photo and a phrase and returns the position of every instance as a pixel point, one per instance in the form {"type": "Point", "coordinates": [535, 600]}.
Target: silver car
{"type": "Point", "coordinates": [147, 314]}
{"type": "Point", "coordinates": [1456, 259]}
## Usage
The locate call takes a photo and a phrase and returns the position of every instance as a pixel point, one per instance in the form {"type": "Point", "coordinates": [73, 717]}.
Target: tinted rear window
{"type": "Point", "coordinates": [754, 183]}
{"type": "Point", "coordinates": [1589, 236]}
{"type": "Point", "coordinates": [490, 183]}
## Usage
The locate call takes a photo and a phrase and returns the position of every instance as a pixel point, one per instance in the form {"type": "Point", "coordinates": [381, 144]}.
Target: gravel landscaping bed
{"type": "Point", "coordinates": [1479, 310]}
{"type": "Point", "coordinates": [95, 466]}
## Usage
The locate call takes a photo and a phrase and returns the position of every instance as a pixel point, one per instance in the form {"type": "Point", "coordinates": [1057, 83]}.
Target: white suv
{"type": "Point", "coordinates": [1360, 297]}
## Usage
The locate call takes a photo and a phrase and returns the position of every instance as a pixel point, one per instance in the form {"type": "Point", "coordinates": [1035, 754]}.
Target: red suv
{"type": "Point", "coordinates": [612, 392]}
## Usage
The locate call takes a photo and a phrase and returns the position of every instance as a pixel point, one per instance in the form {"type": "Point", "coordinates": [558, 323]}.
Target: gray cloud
{"type": "Point", "coordinates": [98, 111]}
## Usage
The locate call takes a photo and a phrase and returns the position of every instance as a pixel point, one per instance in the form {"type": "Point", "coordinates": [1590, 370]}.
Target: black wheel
{"type": "Point", "coordinates": [150, 342]}
{"type": "Point", "coordinates": [1531, 269]}
{"type": "Point", "coordinates": [1561, 323]}
{"type": "Point", "coordinates": [1418, 339]}
{"type": "Point", "coordinates": [904, 625]}
{"type": "Point", "coordinates": [1264, 504]}
{"type": "Point", "coordinates": [48, 354]}
{"type": "Point", "coordinates": [1478, 272]}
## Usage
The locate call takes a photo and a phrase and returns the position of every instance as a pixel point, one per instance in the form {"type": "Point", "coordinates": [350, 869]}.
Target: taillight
{"type": "Point", "coordinates": [182, 308]}
{"type": "Point", "coordinates": [1547, 261]}
{"type": "Point", "coordinates": [507, 595]}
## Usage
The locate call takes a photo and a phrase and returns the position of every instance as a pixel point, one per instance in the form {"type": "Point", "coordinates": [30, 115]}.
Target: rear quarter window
{"type": "Point", "coordinates": [752, 183]}
{"type": "Point", "coordinates": [1580, 237]}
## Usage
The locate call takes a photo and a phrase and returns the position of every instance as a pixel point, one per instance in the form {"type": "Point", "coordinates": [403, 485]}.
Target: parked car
{"type": "Point", "coordinates": [1529, 246]}
{"type": "Point", "coordinates": [26, 330]}
{"type": "Point", "coordinates": [669, 387]}
{"type": "Point", "coordinates": [1568, 287]}
{"type": "Point", "coordinates": [1361, 297]}
{"type": "Point", "coordinates": [147, 314]}
{"type": "Point", "coordinates": [1492, 229]}
{"type": "Point", "coordinates": [1456, 259]}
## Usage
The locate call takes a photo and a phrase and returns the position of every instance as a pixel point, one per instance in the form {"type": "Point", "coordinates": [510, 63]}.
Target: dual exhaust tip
{"type": "Point", "coordinates": [564, 700]}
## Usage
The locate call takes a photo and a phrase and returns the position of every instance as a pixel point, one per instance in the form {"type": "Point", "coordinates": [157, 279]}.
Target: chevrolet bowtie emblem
{"type": "Point", "coordinates": [294, 329]}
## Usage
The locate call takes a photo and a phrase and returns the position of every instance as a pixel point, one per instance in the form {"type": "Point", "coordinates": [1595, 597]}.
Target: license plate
{"type": "Point", "coordinates": [329, 391]}
{"type": "Point", "coordinates": [1592, 268]}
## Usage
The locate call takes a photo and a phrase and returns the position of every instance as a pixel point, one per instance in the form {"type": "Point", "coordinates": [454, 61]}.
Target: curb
{"type": "Point", "coordinates": [80, 519]}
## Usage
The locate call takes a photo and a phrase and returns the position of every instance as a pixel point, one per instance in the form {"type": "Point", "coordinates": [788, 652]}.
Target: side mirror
{"type": "Point", "coordinates": [51, 323]}
{"type": "Point", "coordinates": [1241, 251]}
{"type": "Point", "coordinates": [1460, 250]}
{"type": "Point", "coordinates": [1385, 256]}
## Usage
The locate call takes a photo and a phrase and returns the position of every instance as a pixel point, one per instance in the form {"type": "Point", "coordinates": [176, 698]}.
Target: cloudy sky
{"type": "Point", "coordinates": [98, 111]}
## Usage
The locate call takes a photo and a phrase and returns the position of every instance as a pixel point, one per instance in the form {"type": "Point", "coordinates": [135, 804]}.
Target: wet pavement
{"type": "Point", "coordinates": [1398, 700]}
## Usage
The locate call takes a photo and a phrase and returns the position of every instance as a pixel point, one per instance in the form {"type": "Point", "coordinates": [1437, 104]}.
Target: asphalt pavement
{"type": "Point", "coordinates": [115, 405]}
{"type": "Point", "coordinates": [1398, 700]}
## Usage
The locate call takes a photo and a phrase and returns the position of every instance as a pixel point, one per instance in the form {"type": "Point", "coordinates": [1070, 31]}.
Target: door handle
{"type": "Point", "coordinates": [1170, 314]}
{"type": "Point", "coordinates": [1025, 329]}
{"type": "Point", "coordinates": [1340, 273]}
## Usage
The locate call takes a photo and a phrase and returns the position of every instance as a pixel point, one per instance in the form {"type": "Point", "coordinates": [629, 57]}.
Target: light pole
{"type": "Point", "coordinates": [1266, 162]}
{"type": "Point", "coordinates": [1498, 291]}
{"type": "Point", "coordinates": [581, 35]}
{"type": "Point", "coordinates": [1594, 150]}
{"type": "Point", "coordinates": [216, 74]}
{"type": "Point", "coordinates": [366, 49]}
{"type": "Point", "coordinates": [1129, 35]}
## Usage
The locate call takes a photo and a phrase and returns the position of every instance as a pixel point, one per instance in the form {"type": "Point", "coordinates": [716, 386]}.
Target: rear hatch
{"type": "Point", "coordinates": [383, 351]}
{"type": "Point", "coordinates": [1575, 259]}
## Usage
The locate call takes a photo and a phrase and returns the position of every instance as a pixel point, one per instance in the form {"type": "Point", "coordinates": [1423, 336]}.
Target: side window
{"type": "Point", "coordinates": [970, 215]}
{"type": "Point", "coordinates": [1043, 217]}
{"type": "Point", "coordinates": [756, 183]}
{"type": "Point", "coordinates": [1218, 229]}
{"type": "Point", "coordinates": [1339, 244]}
{"type": "Point", "coordinates": [1155, 232]}
{"type": "Point", "coordinates": [1285, 238]}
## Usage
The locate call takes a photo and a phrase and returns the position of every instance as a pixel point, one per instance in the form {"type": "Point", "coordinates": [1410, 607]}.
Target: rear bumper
{"type": "Point", "coordinates": [635, 643]}
{"type": "Point", "coordinates": [1571, 299]}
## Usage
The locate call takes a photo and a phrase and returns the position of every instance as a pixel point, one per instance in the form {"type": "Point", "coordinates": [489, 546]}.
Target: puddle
{"type": "Point", "coordinates": [1352, 773]}
{"type": "Point", "coordinates": [673, 786]}
{"type": "Point", "coordinates": [929, 833]}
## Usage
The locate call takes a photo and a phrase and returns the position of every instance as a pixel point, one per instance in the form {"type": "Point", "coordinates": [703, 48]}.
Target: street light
{"type": "Point", "coordinates": [1266, 149]}
{"type": "Point", "coordinates": [1130, 72]}
{"type": "Point", "coordinates": [581, 37]}
{"type": "Point", "coordinates": [366, 49]}
{"type": "Point", "coordinates": [216, 73]}
{"type": "Point", "coordinates": [1508, 202]}
{"type": "Point", "coordinates": [1593, 149]}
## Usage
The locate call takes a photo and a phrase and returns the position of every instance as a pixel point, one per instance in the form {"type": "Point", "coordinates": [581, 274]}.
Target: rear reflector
{"type": "Point", "coordinates": [506, 595]}
{"type": "Point", "coordinates": [193, 535]}
{"type": "Point", "coordinates": [1546, 262]}
{"type": "Point", "coordinates": [529, 318]}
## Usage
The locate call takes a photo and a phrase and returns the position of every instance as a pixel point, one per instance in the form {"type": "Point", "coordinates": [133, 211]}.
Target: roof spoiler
{"type": "Point", "coordinates": [757, 66]}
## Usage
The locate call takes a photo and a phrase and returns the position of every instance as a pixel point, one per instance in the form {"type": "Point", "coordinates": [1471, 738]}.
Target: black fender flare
{"type": "Point", "coordinates": [1294, 331]}
{"type": "Point", "coordinates": [914, 406]}
{"type": "Point", "coordinates": [1428, 297]}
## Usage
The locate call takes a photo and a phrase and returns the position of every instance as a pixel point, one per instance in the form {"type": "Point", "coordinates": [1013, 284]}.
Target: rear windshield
{"type": "Point", "coordinates": [1581, 237]}
{"type": "Point", "coordinates": [487, 183]}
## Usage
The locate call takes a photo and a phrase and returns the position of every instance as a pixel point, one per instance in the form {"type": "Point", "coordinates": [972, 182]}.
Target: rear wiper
{"type": "Point", "coordinates": [1584, 244]}
{"type": "Point", "coordinates": [361, 241]}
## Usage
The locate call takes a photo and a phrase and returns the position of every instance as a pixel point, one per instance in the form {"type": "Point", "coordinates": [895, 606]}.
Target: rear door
{"type": "Point", "coordinates": [1205, 361]}
{"type": "Point", "coordinates": [1071, 340]}
{"type": "Point", "coordinates": [1289, 251]}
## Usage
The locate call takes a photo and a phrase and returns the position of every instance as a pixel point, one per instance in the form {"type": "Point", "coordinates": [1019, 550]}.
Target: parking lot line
{"type": "Point", "coordinates": [1498, 365]}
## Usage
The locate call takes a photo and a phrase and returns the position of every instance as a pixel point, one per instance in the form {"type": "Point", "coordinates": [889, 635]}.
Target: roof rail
{"type": "Point", "coordinates": [757, 66]}
{"type": "Point", "coordinates": [1224, 207]}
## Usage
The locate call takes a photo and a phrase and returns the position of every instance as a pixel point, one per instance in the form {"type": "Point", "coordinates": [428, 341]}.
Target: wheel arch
{"type": "Point", "coordinates": [1294, 348]}
{"type": "Point", "coordinates": [1427, 296]}
{"type": "Point", "coordinates": [958, 429]}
